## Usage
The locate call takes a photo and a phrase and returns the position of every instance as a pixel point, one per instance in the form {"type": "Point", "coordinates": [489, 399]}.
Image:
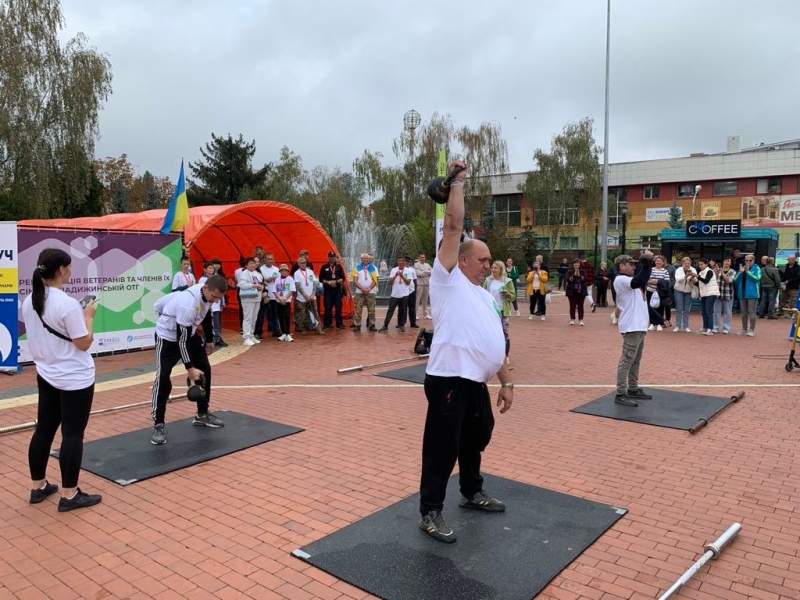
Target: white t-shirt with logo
{"type": "Point", "coordinates": [285, 286]}
{"type": "Point", "coordinates": [268, 272]}
{"type": "Point", "coordinates": [364, 279]}
{"type": "Point", "coordinates": [468, 341]}
{"type": "Point", "coordinates": [305, 281]}
{"type": "Point", "coordinates": [632, 303]}
{"type": "Point", "coordinates": [187, 308]}
{"type": "Point", "coordinates": [400, 289]}
{"type": "Point", "coordinates": [59, 362]}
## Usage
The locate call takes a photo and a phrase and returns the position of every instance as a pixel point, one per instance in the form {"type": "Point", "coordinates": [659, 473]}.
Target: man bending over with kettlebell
{"type": "Point", "coordinates": [179, 339]}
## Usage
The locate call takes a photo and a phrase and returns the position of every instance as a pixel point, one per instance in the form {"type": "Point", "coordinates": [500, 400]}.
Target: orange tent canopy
{"type": "Point", "coordinates": [225, 232]}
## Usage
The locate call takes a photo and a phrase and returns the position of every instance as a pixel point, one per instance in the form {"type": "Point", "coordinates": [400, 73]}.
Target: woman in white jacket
{"type": "Point", "coordinates": [251, 285]}
{"type": "Point", "coordinates": [685, 279]}
{"type": "Point", "coordinates": [709, 292]}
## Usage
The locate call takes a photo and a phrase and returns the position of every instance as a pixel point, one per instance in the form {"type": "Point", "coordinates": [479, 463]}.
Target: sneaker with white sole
{"type": "Point", "coordinates": [725, 331]}
{"type": "Point", "coordinates": [687, 330]}
{"type": "Point", "coordinates": [613, 320]}
{"type": "Point", "coordinates": [751, 333]}
{"type": "Point", "coordinates": [289, 338]}
{"type": "Point", "coordinates": [544, 318]}
{"type": "Point", "coordinates": [581, 323]}
{"type": "Point", "coordinates": [482, 501]}
{"type": "Point", "coordinates": [572, 322]}
{"type": "Point", "coordinates": [282, 338]}
{"type": "Point", "coordinates": [207, 420]}
{"type": "Point", "coordinates": [651, 328]}
{"type": "Point", "coordinates": [530, 318]}
{"type": "Point", "coordinates": [249, 342]}
{"type": "Point", "coordinates": [659, 328]}
{"type": "Point", "coordinates": [742, 332]}
{"type": "Point", "coordinates": [434, 525]}
{"type": "Point", "coordinates": [159, 434]}
{"type": "Point", "coordinates": [676, 330]}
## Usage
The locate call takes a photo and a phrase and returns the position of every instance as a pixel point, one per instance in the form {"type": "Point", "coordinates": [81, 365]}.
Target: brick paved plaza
{"type": "Point", "coordinates": [225, 529]}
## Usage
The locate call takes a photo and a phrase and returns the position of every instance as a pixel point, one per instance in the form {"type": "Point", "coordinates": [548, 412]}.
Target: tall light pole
{"type": "Point", "coordinates": [605, 137]}
{"type": "Point", "coordinates": [697, 189]}
{"type": "Point", "coordinates": [595, 244]}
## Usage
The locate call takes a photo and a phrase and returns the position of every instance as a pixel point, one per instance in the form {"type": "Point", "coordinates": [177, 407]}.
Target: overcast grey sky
{"type": "Point", "coordinates": [329, 79]}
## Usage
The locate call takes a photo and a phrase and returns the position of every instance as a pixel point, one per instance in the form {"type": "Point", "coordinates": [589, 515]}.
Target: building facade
{"type": "Point", "coordinates": [759, 186]}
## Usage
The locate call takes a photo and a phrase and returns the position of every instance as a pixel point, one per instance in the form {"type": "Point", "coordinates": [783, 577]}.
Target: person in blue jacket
{"type": "Point", "coordinates": [747, 283]}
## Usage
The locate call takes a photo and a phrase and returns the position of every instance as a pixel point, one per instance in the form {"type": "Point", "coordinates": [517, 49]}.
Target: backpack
{"type": "Point", "coordinates": [665, 293]}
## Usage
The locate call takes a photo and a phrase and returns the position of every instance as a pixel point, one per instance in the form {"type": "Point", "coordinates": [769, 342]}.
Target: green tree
{"type": "Point", "coordinates": [50, 98]}
{"type": "Point", "coordinates": [398, 191]}
{"type": "Point", "coordinates": [225, 171]}
{"type": "Point", "coordinates": [566, 181]}
{"type": "Point", "coordinates": [286, 178]}
{"type": "Point", "coordinates": [120, 202]}
{"type": "Point", "coordinates": [152, 199]}
{"type": "Point", "coordinates": [675, 216]}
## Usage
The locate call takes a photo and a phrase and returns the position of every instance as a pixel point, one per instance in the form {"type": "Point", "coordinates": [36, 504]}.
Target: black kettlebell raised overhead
{"type": "Point", "coordinates": [439, 187]}
{"type": "Point", "coordinates": [197, 389]}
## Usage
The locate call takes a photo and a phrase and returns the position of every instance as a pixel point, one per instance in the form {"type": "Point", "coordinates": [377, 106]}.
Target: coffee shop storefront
{"type": "Point", "coordinates": [716, 240]}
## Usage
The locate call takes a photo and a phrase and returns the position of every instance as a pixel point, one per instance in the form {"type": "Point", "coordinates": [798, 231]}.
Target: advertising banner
{"type": "Point", "coordinates": [127, 272]}
{"type": "Point", "coordinates": [9, 298]}
{"type": "Point", "coordinates": [659, 215]}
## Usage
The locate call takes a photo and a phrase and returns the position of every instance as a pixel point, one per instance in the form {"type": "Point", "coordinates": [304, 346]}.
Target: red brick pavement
{"type": "Point", "coordinates": [224, 529]}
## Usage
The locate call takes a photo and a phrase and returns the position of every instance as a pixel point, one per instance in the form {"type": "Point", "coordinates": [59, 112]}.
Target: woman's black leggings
{"type": "Point", "coordinates": [71, 411]}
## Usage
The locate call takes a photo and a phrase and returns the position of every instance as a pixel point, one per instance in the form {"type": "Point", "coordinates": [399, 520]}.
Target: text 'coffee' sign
{"type": "Point", "coordinates": [724, 228]}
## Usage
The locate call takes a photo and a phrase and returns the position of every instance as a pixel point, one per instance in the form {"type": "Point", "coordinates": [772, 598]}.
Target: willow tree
{"type": "Point", "coordinates": [50, 97]}
{"type": "Point", "coordinates": [566, 182]}
{"type": "Point", "coordinates": [399, 189]}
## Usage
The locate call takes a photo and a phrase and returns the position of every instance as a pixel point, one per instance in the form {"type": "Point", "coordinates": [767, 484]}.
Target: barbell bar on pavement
{"type": "Point", "coordinates": [712, 551]}
{"type": "Point", "coordinates": [99, 411]}
{"type": "Point", "coordinates": [703, 422]}
{"type": "Point", "coordinates": [378, 364]}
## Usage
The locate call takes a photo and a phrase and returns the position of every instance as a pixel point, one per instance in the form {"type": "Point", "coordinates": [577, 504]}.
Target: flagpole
{"type": "Point", "coordinates": [604, 247]}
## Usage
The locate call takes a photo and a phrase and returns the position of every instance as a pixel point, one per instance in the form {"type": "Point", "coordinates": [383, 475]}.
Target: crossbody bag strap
{"type": "Point", "coordinates": [53, 331]}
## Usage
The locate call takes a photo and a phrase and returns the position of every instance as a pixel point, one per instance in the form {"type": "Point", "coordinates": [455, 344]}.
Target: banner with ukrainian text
{"type": "Point", "coordinates": [127, 272]}
{"type": "Point", "coordinates": [9, 298]}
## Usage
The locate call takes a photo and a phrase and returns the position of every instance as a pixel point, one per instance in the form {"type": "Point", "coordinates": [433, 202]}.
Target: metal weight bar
{"type": "Point", "coordinates": [703, 422]}
{"type": "Point", "coordinates": [99, 411]}
{"type": "Point", "coordinates": [712, 551]}
{"type": "Point", "coordinates": [378, 364]}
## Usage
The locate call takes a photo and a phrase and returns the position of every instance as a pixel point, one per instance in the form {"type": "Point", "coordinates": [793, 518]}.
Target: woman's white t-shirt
{"type": "Point", "coordinates": [59, 362]}
{"type": "Point", "coordinates": [468, 341]}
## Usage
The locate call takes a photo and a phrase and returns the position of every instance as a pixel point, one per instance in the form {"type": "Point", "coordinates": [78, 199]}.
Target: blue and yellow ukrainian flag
{"type": "Point", "coordinates": [178, 212]}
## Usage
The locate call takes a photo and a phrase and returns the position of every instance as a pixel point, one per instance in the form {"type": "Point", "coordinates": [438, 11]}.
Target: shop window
{"type": "Point", "coordinates": [759, 208]}
{"type": "Point", "coordinates": [651, 192]}
{"type": "Point", "coordinates": [725, 188]}
{"type": "Point", "coordinates": [768, 185]}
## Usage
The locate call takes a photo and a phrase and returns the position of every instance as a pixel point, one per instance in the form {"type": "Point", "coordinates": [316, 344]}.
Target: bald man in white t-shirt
{"type": "Point", "coordinates": [468, 349]}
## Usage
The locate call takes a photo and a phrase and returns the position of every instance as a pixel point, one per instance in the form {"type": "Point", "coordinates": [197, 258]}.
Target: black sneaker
{"type": "Point", "coordinates": [383, 329]}
{"type": "Point", "coordinates": [159, 434]}
{"type": "Point", "coordinates": [221, 344]}
{"type": "Point", "coordinates": [38, 495]}
{"type": "Point", "coordinates": [340, 327]}
{"type": "Point", "coordinates": [373, 328]}
{"type": "Point", "coordinates": [414, 326]}
{"type": "Point", "coordinates": [639, 394]}
{"type": "Point", "coordinates": [79, 500]}
{"type": "Point", "coordinates": [625, 401]}
{"type": "Point", "coordinates": [207, 420]}
{"type": "Point", "coordinates": [482, 501]}
{"type": "Point", "coordinates": [594, 307]}
{"type": "Point", "coordinates": [433, 523]}
{"type": "Point", "coordinates": [401, 329]}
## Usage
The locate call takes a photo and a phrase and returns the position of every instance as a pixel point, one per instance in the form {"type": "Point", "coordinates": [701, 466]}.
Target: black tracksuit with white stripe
{"type": "Point", "coordinates": [178, 338]}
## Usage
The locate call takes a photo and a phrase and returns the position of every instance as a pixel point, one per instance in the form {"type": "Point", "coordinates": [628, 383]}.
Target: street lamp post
{"type": "Point", "coordinates": [623, 236]}
{"type": "Point", "coordinates": [596, 225]}
{"type": "Point", "coordinates": [697, 189]}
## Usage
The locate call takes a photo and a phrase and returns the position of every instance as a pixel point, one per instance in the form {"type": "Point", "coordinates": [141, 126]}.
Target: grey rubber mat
{"type": "Point", "coordinates": [414, 373]}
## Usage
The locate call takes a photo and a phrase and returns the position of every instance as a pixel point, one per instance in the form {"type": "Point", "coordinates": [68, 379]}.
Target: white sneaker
{"type": "Point", "coordinates": [676, 330]}
{"type": "Point", "coordinates": [289, 338]}
{"type": "Point", "coordinates": [613, 320]}
{"type": "Point", "coordinates": [581, 323]}
{"type": "Point", "coordinates": [249, 342]}
{"type": "Point", "coordinates": [530, 318]}
{"type": "Point", "coordinates": [572, 322]}
{"type": "Point", "coordinates": [544, 318]}
{"type": "Point", "coordinates": [516, 313]}
{"type": "Point", "coordinates": [651, 328]}
{"type": "Point", "coordinates": [659, 328]}
{"type": "Point", "coordinates": [256, 340]}
{"type": "Point", "coordinates": [751, 333]}
{"type": "Point", "coordinates": [687, 330]}
{"type": "Point", "coordinates": [725, 331]}
{"type": "Point", "coordinates": [282, 338]}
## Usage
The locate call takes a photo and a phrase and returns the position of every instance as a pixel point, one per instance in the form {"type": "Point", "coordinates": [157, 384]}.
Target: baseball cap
{"type": "Point", "coordinates": [283, 267]}
{"type": "Point", "coordinates": [624, 258]}
{"type": "Point", "coordinates": [331, 254]}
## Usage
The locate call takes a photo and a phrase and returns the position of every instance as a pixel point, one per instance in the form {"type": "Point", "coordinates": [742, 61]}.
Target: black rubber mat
{"type": "Point", "coordinates": [130, 457]}
{"type": "Point", "coordinates": [511, 555]}
{"type": "Point", "coordinates": [677, 410]}
{"type": "Point", "coordinates": [414, 373]}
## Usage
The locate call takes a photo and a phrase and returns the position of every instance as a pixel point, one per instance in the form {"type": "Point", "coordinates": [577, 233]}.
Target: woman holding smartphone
{"type": "Point", "coordinates": [60, 334]}
{"type": "Point", "coordinates": [501, 287]}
